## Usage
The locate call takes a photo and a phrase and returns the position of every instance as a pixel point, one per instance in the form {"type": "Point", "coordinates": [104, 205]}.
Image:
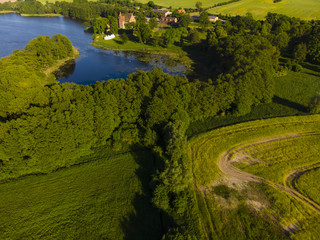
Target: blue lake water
{"type": "Point", "coordinates": [93, 64]}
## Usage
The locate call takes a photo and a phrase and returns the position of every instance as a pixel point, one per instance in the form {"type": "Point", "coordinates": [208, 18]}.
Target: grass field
{"type": "Point", "coordinates": [274, 161]}
{"type": "Point", "coordinates": [105, 199]}
{"type": "Point", "coordinates": [278, 158]}
{"type": "Point", "coordinates": [308, 184]}
{"type": "Point", "coordinates": [207, 147]}
{"type": "Point", "coordinates": [304, 9]}
{"type": "Point", "coordinates": [298, 87]}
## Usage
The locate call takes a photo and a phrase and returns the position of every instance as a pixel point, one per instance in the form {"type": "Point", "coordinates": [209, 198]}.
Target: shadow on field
{"type": "Point", "coordinates": [290, 104]}
{"type": "Point", "coordinates": [313, 74]}
{"type": "Point", "coordinates": [147, 222]}
{"type": "Point", "coordinates": [310, 66]}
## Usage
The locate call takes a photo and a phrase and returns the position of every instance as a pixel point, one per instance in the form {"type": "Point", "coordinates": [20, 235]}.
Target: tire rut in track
{"type": "Point", "coordinates": [227, 167]}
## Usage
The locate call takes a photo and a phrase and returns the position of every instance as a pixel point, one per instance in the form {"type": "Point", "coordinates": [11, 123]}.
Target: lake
{"type": "Point", "coordinates": [93, 64]}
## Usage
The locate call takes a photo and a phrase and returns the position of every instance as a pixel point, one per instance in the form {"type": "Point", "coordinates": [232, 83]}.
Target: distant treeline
{"type": "Point", "coordinates": [79, 9]}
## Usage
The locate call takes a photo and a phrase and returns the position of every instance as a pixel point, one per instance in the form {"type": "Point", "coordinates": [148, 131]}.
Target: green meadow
{"type": "Point", "coordinates": [304, 9]}
{"type": "Point", "coordinates": [103, 199]}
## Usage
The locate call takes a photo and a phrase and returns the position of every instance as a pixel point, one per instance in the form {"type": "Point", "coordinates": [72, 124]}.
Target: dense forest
{"type": "Point", "coordinates": [45, 125]}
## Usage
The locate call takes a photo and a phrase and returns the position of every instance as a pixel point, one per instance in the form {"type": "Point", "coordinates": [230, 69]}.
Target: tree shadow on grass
{"type": "Point", "coordinates": [313, 74]}
{"type": "Point", "coordinates": [312, 67]}
{"type": "Point", "coordinates": [147, 222]}
{"type": "Point", "coordinates": [290, 104]}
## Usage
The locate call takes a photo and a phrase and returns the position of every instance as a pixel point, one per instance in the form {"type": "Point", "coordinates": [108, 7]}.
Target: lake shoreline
{"type": "Point", "coordinates": [116, 45]}
{"type": "Point", "coordinates": [62, 62]}
{"type": "Point", "coordinates": [6, 12]}
{"type": "Point", "coordinates": [41, 15]}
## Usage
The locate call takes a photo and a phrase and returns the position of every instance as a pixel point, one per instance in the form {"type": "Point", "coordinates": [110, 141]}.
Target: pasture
{"type": "Point", "coordinates": [304, 9]}
{"type": "Point", "coordinates": [103, 199]}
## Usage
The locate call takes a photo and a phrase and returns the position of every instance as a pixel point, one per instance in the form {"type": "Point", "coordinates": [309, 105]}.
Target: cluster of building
{"type": "Point", "coordinates": [165, 18]}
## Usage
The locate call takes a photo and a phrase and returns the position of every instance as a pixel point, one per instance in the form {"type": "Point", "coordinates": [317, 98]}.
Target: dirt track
{"type": "Point", "coordinates": [226, 166]}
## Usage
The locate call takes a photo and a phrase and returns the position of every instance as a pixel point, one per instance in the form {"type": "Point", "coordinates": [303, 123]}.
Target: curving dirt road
{"type": "Point", "coordinates": [225, 164]}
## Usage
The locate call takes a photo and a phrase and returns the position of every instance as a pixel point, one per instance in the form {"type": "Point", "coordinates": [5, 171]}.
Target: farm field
{"type": "Point", "coordinates": [304, 9]}
{"type": "Point", "coordinates": [184, 4]}
{"type": "Point", "coordinates": [270, 150]}
{"type": "Point", "coordinates": [104, 199]}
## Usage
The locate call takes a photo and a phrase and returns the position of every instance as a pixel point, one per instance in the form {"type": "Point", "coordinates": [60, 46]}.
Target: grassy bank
{"type": "Point", "coordinates": [104, 199]}
{"type": "Point", "coordinates": [117, 44]}
{"type": "Point", "coordinates": [41, 15]}
{"type": "Point", "coordinates": [61, 62]}
{"type": "Point", "coordinates": [6, 12]}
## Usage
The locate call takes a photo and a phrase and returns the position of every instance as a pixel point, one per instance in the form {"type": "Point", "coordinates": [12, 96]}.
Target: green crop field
{"type": "Point", "coordinates": [104, 199]}
{"type": "Point", "coordinates": [184, 4]}
{"type": "Point", "coordinates": [304, 9]}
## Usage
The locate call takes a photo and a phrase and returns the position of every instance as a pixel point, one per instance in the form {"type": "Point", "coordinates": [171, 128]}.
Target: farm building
{"type": "Point", "coordinates": [213, 18]}
{"type": "Point", "coordinates": [125, 18]}
{"type": "Point", "coordinates": [162, 12]}
{"type": "Point", "coordinates": [168, 20]}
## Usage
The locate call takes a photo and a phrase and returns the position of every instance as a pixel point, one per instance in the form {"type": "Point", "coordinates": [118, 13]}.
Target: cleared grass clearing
{"type": "Point", "coordinates": [298, 87]}
{"type": "Point", "coordinates": [304, 9]}
{"type": "Point", "coordinates": [118, 45]}
{"type": "Point", "coordinates": [104, 199]}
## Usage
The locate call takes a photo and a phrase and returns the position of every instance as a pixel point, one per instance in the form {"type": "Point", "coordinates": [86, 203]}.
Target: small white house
{"type": "Point", "coordinates": [108, 37]}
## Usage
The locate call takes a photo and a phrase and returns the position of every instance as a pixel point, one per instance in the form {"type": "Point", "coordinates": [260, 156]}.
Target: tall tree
{"type": "Point", "coordinates": [204, 20]}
